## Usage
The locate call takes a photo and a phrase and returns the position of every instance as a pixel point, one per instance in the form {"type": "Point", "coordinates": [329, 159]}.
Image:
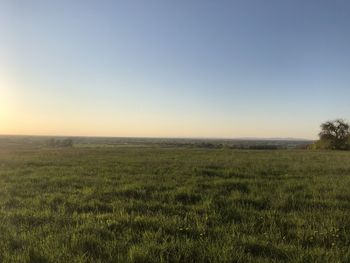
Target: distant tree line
{"type": "Point", "coordinates": [245, 146]}
{"type": "Point", "coordinates": [334, 135]}
{"type": "Point", "coordinates": [52, 142]}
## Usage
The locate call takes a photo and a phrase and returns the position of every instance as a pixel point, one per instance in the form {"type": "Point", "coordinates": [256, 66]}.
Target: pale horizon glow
{"type": "Point", "coordinates": [180, 69]}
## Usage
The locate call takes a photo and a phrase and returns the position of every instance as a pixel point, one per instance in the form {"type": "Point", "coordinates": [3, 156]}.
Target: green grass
{"type": "Point", "coordinates": [154, 204]}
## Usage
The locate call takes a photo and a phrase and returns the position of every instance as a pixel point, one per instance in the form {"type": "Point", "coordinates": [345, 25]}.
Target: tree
{"type": "Point", "coordinates": [67, 143]}
{"type": "Point", "coordinates": [60, 143]}
{"type": "Point", "coordinates": [335, 135]}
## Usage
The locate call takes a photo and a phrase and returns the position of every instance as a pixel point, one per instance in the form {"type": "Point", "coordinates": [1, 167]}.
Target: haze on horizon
{"type": "Point", "coordinates": [173, 68]}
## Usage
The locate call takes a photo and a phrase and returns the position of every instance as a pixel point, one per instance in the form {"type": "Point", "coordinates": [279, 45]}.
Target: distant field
{"type": "Point", "coordinates": [164, 203]}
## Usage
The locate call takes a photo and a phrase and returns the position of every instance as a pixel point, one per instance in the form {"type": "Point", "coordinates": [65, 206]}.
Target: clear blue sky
{"type": "Point", "coordinates": [180, 68]}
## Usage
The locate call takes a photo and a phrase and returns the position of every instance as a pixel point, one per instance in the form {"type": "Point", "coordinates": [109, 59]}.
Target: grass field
{"type": "Point", "coordinates": [173, 204]}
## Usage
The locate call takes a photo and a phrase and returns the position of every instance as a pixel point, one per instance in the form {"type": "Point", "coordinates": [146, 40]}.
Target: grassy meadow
{"type": "Point", "coordinates": [154, 203]}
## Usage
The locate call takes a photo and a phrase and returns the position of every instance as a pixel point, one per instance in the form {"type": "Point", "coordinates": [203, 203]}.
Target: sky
{"type": "Point", "coordinates": [181, 68]}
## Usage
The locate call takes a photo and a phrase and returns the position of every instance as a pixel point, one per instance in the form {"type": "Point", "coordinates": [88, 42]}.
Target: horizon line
{"type": "Point", "coordinates": [161, 137]}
